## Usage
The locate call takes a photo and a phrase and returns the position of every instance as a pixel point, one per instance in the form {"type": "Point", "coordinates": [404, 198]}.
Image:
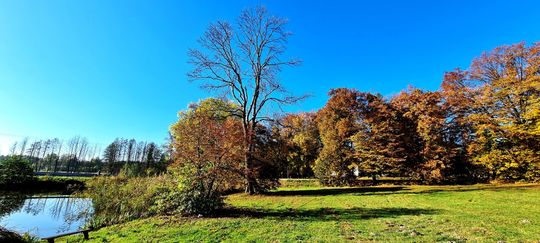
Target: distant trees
{"type": "Point", "coordinates": [78, 155]}
{"type": "Point", "coordinates": [134, 158]}
{"type": "Point", "coordinates": [243, 64]}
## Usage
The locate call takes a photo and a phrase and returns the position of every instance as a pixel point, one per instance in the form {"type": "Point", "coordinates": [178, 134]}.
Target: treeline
{"type": "Point", "coordinates": [483, 124]}
{"type": "Point", "coordinates": [135, 157]}
{"type": "Point", "coordinates": [77, 155]}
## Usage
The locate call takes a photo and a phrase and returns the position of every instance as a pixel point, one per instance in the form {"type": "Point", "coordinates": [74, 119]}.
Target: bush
{"type": "Point", "coordinates": [15, 171]}
{"type": "Point", "coordinates": [197, 192]}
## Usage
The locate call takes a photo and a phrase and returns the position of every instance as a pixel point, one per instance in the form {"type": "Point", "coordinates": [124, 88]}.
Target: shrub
{"type": "Point", "coordinates": [14, 171]}
{"type": "Point", "coordinates": [197, 192]}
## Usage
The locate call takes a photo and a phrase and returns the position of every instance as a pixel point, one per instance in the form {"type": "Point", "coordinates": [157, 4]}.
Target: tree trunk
{"type": "Point", "coordinates": [252, 186]}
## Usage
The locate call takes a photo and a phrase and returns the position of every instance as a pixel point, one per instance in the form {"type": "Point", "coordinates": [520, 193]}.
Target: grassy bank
{"type": "Point", "coordinates": [389, 213]}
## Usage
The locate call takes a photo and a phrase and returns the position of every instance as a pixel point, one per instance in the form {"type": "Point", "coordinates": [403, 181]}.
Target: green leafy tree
{"type": "Point", "coordinates": [15, 170]}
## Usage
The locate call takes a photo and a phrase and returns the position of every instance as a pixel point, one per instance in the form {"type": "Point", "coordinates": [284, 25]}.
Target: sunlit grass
{"type": "Point", "coordinates": [385, 213]}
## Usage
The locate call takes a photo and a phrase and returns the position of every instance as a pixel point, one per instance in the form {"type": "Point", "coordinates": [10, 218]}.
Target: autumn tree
{"type": "Point", "coordinates": [379, 143]}
{"type": "Point", "coordinates": [207, 155]}
{"type": "Point", "coordinates": [338, 123]}
{"type": "Point", "coordinates": [499, 100]}
{"type": "Point", "coordinates": [432, 150]}
{"type": "Point", "coordinates": [243, 64]}
{"type": "Point", "coordinates": [300, 136]}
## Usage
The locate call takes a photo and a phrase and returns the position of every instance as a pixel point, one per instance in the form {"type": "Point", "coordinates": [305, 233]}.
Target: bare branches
{"type": "Point", "coordinates": [244, 63]}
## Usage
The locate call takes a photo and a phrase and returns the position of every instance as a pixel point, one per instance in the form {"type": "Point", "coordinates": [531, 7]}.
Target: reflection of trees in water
{"type": "Point", "coordinates": [10, 202]}
{"type": "Point", "coordinates": [69, 210]}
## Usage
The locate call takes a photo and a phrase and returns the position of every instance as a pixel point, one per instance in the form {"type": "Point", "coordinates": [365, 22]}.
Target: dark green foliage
{"type": "Point", "coordinates": [15, 171]}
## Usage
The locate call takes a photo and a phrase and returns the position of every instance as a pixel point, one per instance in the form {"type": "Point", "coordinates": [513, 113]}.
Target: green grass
{"type": "Point", "coordinates": [387, 213]}
{"type": "Point", "coordinates": [64, 178]}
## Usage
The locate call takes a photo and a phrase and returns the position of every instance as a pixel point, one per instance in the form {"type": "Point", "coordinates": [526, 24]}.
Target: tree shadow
{"type": "Point", "coordinates": [322, 214]}
{"type": "Point", "coordinates": [336, 191]}
{"type": "Point", "coordinates": [363, 191]}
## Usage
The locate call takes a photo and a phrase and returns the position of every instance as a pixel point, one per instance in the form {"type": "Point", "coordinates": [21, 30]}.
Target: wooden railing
{"type": "Point", "coordinates": [51, 238]}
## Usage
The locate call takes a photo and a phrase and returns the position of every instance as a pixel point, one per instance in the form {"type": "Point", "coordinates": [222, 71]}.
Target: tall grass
{"type": "Point", "coordinates": [119, 199]}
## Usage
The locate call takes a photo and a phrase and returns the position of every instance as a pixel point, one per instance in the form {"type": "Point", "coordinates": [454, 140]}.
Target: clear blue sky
{"type": "Point", "coordinates": [106, 69]}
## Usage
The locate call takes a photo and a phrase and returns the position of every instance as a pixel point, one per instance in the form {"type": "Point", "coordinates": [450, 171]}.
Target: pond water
{"type": "Point", "coordinates": [43, 216]}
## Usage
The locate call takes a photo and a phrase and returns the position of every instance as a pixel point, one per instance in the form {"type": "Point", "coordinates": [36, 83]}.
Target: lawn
{"type": "Point", "coordinates": [386, 213]}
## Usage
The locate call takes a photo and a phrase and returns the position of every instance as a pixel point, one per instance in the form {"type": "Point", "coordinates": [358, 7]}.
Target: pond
{"type": "Point", "coordinates": [43, 215]}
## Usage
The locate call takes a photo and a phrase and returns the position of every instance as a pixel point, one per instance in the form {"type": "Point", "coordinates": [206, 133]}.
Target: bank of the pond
{"type": "Point", "coordinates": [49, 184]}
{"type": "Point", "coordinates": [384, 213]}
{"type": "Point", "coordinates": [10, 236]}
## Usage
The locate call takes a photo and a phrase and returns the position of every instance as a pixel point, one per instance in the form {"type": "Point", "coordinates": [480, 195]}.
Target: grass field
{"type": "Point", "coordinates": [387, 213]}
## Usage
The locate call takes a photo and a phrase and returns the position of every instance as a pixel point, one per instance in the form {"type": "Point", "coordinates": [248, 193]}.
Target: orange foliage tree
{"type": "Point", "coordinates": [497, 102]}
{"type": "Point", "coordinates": [205, 147]}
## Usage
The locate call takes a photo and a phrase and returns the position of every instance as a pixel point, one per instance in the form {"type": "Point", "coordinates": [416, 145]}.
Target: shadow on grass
{"type": "Point", "coordinates": [323, 214]}
{"type": "Point", "coordinates": [362, 191]}
{"type": "Point", "coordinates": [336, 191]}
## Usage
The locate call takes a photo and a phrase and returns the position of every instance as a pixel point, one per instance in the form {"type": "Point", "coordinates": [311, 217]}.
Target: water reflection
{"type": "Point", "coordinates": [43, 215]}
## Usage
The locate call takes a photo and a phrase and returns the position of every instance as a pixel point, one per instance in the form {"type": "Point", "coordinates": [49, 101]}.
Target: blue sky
{"type": "Point", "coordinates": [106, 69]}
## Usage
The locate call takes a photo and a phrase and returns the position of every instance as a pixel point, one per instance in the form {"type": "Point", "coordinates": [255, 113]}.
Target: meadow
{"type": "Point", "coordinates": [484, 212]}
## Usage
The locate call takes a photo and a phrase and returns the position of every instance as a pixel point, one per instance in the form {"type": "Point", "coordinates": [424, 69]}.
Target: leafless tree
{"type": "Point", "coordinates": [59, 152]}
{"type": "Point", "coordinates": [23, 145]}
{"type": "Point", "coordinates": [243, 65]}
{"type": "Point", "coordinates": [13, 148]}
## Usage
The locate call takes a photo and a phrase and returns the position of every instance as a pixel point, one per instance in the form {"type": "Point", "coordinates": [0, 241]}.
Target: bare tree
{"type": "Point", "coordinates": [243, 64]}
{"type": "Point", "coordinates": [13, 148]}
{"type": "Point", "coordinates": [23, 145]}
{"type": "Point", "coordinates": [131, 149]}
{"type": "Point", "coordinates": [60, 143]}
